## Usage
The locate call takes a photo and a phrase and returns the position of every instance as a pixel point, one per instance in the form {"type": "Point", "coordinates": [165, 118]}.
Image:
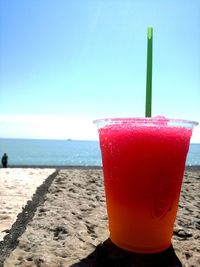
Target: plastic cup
{"type": "Point", "coordinates": [143, 165]}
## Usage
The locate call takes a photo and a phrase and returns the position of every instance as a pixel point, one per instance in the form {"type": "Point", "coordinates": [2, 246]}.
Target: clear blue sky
{"type": "Point", "coordinates": [66, 62]}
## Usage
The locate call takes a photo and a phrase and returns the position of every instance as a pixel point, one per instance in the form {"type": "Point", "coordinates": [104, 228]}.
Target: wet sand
{"type": "Point", "coordinates": [68, 226]}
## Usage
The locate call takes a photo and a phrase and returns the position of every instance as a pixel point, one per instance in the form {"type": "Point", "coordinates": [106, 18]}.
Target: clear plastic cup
{"type": "Point", "coordinates": [143, 164]}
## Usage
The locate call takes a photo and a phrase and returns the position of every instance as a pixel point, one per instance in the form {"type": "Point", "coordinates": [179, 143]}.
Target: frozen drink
{"type": "Point", "coordinates": [143, 164]}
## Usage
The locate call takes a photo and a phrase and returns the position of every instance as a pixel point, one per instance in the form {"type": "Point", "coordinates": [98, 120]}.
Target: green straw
{"type": "Point", "coordinates": [149, 72]}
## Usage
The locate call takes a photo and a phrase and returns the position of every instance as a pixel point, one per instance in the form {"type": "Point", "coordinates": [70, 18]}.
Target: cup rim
{"type": "Point", "coordinates": [159, 121]}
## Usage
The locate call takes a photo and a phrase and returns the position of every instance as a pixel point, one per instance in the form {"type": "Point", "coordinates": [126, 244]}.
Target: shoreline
{"type": "Point", "coordinates": [58, 167]}
{"type": "Point", "coordinates": [84, 167]}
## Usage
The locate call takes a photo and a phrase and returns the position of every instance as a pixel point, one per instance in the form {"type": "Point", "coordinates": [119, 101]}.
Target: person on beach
{"type": "Point", "coordinates": [4, 160]}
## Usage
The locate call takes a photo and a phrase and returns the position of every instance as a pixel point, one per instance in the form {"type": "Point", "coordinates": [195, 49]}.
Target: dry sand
{"type": "Point", "coordinates": [69, 227]}
{"type": "Point", "coordinates": [16, 188]}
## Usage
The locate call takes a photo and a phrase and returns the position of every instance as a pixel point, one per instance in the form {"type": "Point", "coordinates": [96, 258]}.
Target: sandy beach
{"type": "Point", "coordinates": [65, 222]}
{"type": "Point", "coordinates": [17, 187]}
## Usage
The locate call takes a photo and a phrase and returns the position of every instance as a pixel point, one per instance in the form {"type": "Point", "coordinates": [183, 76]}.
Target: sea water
{"type": "Point", "coordinates": [28, 152]}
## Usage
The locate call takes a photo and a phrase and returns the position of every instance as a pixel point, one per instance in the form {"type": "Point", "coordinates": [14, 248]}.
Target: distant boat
{"type": "Point", "coordinates": [69, 139]}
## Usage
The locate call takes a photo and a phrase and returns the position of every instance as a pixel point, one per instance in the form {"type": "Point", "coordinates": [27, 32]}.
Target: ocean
{"type": "Point", "coordinates": [28, 152]}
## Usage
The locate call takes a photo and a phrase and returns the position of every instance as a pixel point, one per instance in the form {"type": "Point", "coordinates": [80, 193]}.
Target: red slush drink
{"type": "Point", "coordinates": [143, 165]}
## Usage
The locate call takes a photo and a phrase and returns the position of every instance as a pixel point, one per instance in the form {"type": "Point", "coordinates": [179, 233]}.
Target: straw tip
{"type": "Point", "coordinates": [150, 32]}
